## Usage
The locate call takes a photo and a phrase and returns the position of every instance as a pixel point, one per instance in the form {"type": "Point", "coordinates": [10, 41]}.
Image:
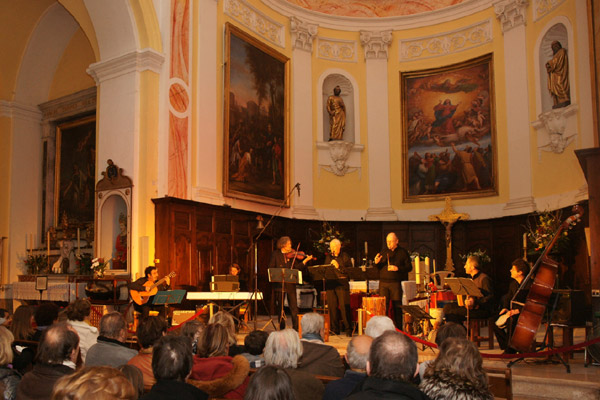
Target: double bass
{"type": "Point", "coordinates": [543, 274]}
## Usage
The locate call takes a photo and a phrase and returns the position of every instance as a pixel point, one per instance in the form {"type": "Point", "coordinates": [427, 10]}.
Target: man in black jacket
{"type": "Point", "coordinates": [338, 290]}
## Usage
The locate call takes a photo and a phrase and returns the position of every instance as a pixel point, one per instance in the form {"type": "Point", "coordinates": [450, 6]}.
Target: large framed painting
{"type": "Point", "coordinates": [449, 131]}
{"type": "Point", "coordinates": [256, 122]}
{"type": "Point", "coordinates": [74, 186]}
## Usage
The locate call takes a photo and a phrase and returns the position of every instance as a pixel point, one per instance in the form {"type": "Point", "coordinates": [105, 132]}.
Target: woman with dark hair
{"type": "Point", "coordinates": [216, 373]}
{"type": "Point", "coordinates": [270, 383]}
{"type": "Point", "coordinates": [78, 314]}
{"type": "Point", "coordinates": [457, 373]}
{"type": "Point", "coordinates": [192, 329]}
{"type": "Point", "coordinates": [22, 323]}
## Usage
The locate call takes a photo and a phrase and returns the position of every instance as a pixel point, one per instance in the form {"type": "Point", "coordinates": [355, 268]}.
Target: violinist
{"type": "Point", "coordinates": [394, 264]}
{"type": "Point", "coordinates": [286, 257]}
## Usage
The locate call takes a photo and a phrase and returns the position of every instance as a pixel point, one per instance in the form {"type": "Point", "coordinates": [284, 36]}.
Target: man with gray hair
{"type": "Point", "coordinates": [391, 366]}
{"type": "Point", "coordinates": [357, 354]}
{"type": "Point", "coordinates": [110, 348]}
{"type": "Point", "coordinates": [317, 357]}
{"type": "Point", "coordinates": [338, 290]}
{"type": "Point", "coordinates": [379, 324]}
{"type": "Point", "coordinates": [283, 349]}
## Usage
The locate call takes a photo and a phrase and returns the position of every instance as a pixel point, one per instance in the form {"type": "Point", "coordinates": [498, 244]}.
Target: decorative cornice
{"type": "Point", "coordinates": [136, 61]}
{"type": "Point", "coordinates": [256, 21]}
{"type": "Point", "coordinates": [303, 34]}
{"type": "Point", "coordinates": [376, 44]}
{"type": "Point", "coordinates": [336, 49]}
{"type": "Point", "coordinates": [543, 7]}
{"type": "Point", "coordinates": [511, 13]}
{"type": "Point", "coordinates": [76, 103]}
{"type": "Point", "coordinates": [16, 110]}
{"type": "Point", "coordinates": [446, 43]}
{"type": "Point", "coordinates": [381, 214]}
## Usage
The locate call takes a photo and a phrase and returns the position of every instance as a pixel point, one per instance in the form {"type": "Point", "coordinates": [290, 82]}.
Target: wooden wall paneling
{"type": "Point", "coordinates": [222, 254]}
{"type": "Point", "coordinates": [205, 250]}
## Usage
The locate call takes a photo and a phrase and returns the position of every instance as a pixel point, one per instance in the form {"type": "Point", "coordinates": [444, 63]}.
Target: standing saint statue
{"type": "Point", "coordinates": [337, 115]}
{"type": "Point", "coordinates": [558, 76]}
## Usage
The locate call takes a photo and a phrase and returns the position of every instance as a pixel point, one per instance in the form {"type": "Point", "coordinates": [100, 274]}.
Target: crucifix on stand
{"type": "Point", "coordinates": [448, 217]}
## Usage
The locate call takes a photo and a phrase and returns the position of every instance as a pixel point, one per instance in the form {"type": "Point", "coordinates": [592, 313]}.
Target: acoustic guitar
{"type": "Point", "coordinates": [141, 298]}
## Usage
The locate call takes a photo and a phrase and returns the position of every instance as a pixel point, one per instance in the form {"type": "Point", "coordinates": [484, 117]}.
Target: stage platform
{"type": "Point", "coordinates": [532, 379]}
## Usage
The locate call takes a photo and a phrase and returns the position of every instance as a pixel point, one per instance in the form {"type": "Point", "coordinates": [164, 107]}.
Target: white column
{"type": "Point", "coordinates": [303, 35]}
{"type": "Point", "coordinates": [376, 45]}
{"type": "Point", "coordinates": [512, 17]}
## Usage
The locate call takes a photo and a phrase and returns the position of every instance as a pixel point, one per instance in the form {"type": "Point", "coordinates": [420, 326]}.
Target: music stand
{"type": "Point", "coordinates": [283, 276]}
{"type": "Point", "coordinates": [166, 297]}
{"type": "Point", "coordinates": [357, 274]}
{"type": "Point", "coordinates": [325, 272]}
{"type": "Point", "coordinates": [464, 287]}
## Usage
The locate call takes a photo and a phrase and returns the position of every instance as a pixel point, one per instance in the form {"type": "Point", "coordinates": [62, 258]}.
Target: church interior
{"type": "Point", "coordinates": [192, 134]}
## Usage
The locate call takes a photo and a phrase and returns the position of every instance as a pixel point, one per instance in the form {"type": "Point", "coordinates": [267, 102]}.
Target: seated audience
{"type": "Point", "coordinates": [110, 348]}
{"type": "Point", "coordinates": [225, 319]}
{"type": "Point", "coordinates": [283, 349]}
{"type": "Point", "coordinates": [216, 373]}
{"type": "Point", "coordinates": [457, 373]}
{"type": "Point", "coordinates": [78, 314]}
{"type": "Point", "coordinates": [270, 383]}
{"type": "Point", "coordinates": [193, 329]}
{"type": "Point", "coordinates": [45, 315]}
{"type": "Point", "coordinates": [100, 383]}
{"type": "Point", "coordinates": [56, 357]}
{"type": "Point", "coordinates": [254, 343]}
{"type": "Point", "coordinates": [317, 357]}
{"type": "Point", "coordinates": [379, 324]}
{"type": "Point", "coordinates": [356, 356]}
{"type": "Point", "coordinates": [391, 366]}
{"type": "Point", "coordinates": [135, 377]}
{"type": "Point", "coordinates": [5, 317]}
{"type": "Point", "coordinates": [172, 362]}
{"type": "Point", "coordinates": [9, 378]}
{"type": "Point", "coordinates": [448, 330]}
{"type": "Point", "coordinates": [22, 329]}
{"type": "Point", "coordinates": [148, 333]}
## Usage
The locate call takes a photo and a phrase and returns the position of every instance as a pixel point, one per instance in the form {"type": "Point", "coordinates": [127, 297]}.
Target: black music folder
{"type": "Point", "coordinates": [286, 275]}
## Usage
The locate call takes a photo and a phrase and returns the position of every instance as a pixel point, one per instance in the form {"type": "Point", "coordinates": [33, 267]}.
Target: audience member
{"type": "Point", "coordinates": [270, 383]}
{"type": "Point", "coordinates": [457, 373]}
{"type": "Point", "coordinates": [135, 377]}
{"type": "Point", "coordinates": [148, 333]}
{"type": "Point", "coordinates": [216, 373]}
{"type": "Point", "coordinates": [317, 357]}
{"type": "Point", "coordinates": [356, 356]}
{"type": "Point", "coordinates": [283, 349]}
{"type": "Point", "coordinates": [22, 329]}
{"type": "Point", "coordinates": [98, 383]}
{"type": "Point", "coordinates": [56, 357]}
{"type": "Point", "coordinates": [391, 366]}
{"type": "Point", "coordinates": [225, 319]}
{"type": "Point", "coordinates": [110, 349]}
{"type": "Point", "coordinates": [254, 343]}
{"type": "Point", "coordinates": [172, 362]}
{"type": "Point", "coordinates": [379, 324]}
{"type": "Point", "coordinates": [193, 329]}
{"type": "Point", "coordinates": [9, 378]}
{"type": "Point", "coordinates": [448, 330]}
{"type": "Point", "coordinates": [5, 317]}
{"type": "Point", "coordinates": [45, 315]}
{"type": "Point", "coordinates": [78, 314]}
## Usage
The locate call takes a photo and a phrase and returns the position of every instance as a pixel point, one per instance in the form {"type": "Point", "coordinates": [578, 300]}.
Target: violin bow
{"type": "Point", "coordinates": [295, 256]}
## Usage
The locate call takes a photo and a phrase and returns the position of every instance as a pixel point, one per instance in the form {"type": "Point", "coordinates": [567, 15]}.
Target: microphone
{"type": "Point", "coordinates": [298, 186]}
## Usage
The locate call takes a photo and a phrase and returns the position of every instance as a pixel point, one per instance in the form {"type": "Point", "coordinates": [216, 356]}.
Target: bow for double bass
{"type": "Point", "coordinates": [543, 274]}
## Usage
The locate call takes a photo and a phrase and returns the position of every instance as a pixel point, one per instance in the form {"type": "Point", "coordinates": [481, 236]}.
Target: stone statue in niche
{"type": "Point", "coordinates": [558, 76]}
{"type": "Point", "coordinates": [337, 115]}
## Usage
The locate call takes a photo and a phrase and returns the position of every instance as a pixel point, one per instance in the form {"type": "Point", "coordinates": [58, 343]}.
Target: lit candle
{"type": "Point", "coordinates": [31, 244]}
{"type": "Point", "coordinates": [525, 240]}
{"type": "Point", "coordinates": [426, 265]}
{"type": "Point", "coordinates": [366, 250]}
{"type": "Point", "coordinates": [78, 242]}
{"type": "Point", "coordinates": [434, 265]}
{"type": "Point", "coordinates": [48, 240]}
{"type": "Point", "coordinates": [417, 270]}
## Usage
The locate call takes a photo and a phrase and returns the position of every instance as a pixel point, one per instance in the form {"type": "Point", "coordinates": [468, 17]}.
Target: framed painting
{"type": "Point", "coordinates": [449, 131]}
{"type": "Point", "coordinates": [74, 186]}
{"type": "Point", "coordinates": [256, 120]}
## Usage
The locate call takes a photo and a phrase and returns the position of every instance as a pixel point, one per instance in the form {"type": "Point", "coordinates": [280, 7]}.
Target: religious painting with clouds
{"type": "Point", "coordinates": [449, 139]}
{"type": "Point", "coordinates": [256, 119]}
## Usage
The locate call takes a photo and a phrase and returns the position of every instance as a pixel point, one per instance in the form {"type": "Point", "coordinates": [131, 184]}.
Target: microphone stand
{"type": "Point", "coordinates": [255, 244]}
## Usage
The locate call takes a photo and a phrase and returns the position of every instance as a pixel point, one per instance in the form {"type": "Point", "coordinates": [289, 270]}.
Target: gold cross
{"type": "Point", "coordinates": [448, 217]}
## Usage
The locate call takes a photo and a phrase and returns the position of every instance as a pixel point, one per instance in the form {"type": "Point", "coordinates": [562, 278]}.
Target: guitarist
{"type": "Point", "coordinates": [142, 285]}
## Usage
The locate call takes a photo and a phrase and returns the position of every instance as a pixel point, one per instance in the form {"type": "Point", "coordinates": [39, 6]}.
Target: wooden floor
{"type": "Point", "coordinates": [532, 378]}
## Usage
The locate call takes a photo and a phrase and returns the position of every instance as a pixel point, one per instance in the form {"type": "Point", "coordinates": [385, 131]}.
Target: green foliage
{"type": "Point", "coordinates": [325, 236]}
{"type": "Point", "coordinates": [37, 264]}
{"type": "Point", "coordinates": [84, 264]}
{"type": "Point", "coordinates": [484, 258]}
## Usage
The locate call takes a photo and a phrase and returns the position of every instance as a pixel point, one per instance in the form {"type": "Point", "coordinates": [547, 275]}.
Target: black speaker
{"type": "Point", "coordinates": [571, 308]}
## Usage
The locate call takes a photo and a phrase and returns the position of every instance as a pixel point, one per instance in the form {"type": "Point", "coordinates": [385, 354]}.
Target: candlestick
{"type": "Point", "coordinates": [417, 270]}
{"type": "Point", "coordinates": [31, 244]}
{"type": "Point", "coordinates": [78, 252]}
{"type": "Point", "coordinates": [525, 240]}
{"type": "Point", "coordinates": [426, 265]}
{"type": "Point", "coordinates": [26, 248]}
{"type": "Point", "coordinates": [366, 250]}
{"type": "Point", "coordinates": [48, 241]}
{"type": "Point", "coordinates": [434, 265]}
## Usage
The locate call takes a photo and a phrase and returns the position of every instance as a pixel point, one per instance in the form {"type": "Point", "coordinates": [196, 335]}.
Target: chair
{"type": "Point", "coordinates": [474, 328]}
{"type": "Point", "coordinates": [500, 382]}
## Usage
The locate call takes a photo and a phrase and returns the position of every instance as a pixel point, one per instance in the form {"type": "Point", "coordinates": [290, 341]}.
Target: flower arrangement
{"type": "Point", "coordinates": [99, 266]}
{"type": "Point", "coordinates": [36, 264]}
{"type": "Point", "coordinates": [484, 258]}
{"type": "Point", "coordinates": [541, 228]}
{"type": "Point", "coordinates": [327, 234]}
{"type": "Point", "coordinates": [84, 264]}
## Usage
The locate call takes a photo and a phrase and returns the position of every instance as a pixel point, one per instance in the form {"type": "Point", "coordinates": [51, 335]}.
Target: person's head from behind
{"type": "Point", "coordinates": [135, 377]}
{"type": "Point", "coordinates": [45, 314]}
{"type": "Point", "coordinates": [21, 325]}
{"type": "Point", "coordinates": [79, 310]}
{"type": "Point", "coordinates": [448, 330]}
{"type": "Point", "coordinates": [59, 343]}
{"type": "Point", "coordinates": [113, 326]}
{"type": "Point", "coordinates": [99, 383]}
{"type": "Point", "coordinates": [393, 356]}
{"type": "Point", "coordinates": [192, 329]}
{"type": "Point", "coordinates": [255, 342]}
{"type": "Point", "coordinates": [379, 324]}
{"type": "Point", "coordinates": [312, 323]}
{"type": "Point", "coordinates": [357, 352]}
{"type": "Point", "coordinates": [172, 358]}
{"type": "Point", "coordinates": [283, 348]}
{"type": "Point", "coordinates": [460, 357]}
{"type": "Point", "coordinates": [225, 319]}
{"type": "Point", "coordinates": [213, 341]}
{"type": "Point", "coordinates": [6, 339]}
{"type": "Point", "coordinates": [270, 383]}
{"type": "Point", "coordinates": [150, 330]}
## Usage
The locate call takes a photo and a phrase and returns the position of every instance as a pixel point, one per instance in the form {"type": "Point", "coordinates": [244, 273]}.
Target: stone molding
{"type": "Point", "coordinates": [14, 110]}
{"type": "Point", "coordinates": [303, 34]}
{"type": "Point", "coordinates": [67, 106]}
{"type": "Point", "coordinates": [511, 13]}
{"type": "Point", "coordinates": [543, 7]}
{"type": "Point", "coordinates": [336, 50]}
{"type": "Point", "coordinates": [136, 61]}
{"type": "Point", "coordinates": [376, 43]}
{"type": "Point", "coordinates": [256, 21]}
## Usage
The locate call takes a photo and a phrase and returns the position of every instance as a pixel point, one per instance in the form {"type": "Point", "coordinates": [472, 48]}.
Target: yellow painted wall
{"type": "Point", "coordinates": [79, 11]}
{"type": "Point", "coordinates": [70, 76]}
{"type": "Point", "coordinates": [5, 157]}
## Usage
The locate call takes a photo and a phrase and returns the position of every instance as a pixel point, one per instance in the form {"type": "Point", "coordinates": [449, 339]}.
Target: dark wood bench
{"type": "Point", "coordinates": [500, 382]}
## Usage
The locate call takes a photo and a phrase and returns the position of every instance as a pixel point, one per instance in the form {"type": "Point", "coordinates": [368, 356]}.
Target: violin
{"type": "Point", "coordinates": [295, 254]}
